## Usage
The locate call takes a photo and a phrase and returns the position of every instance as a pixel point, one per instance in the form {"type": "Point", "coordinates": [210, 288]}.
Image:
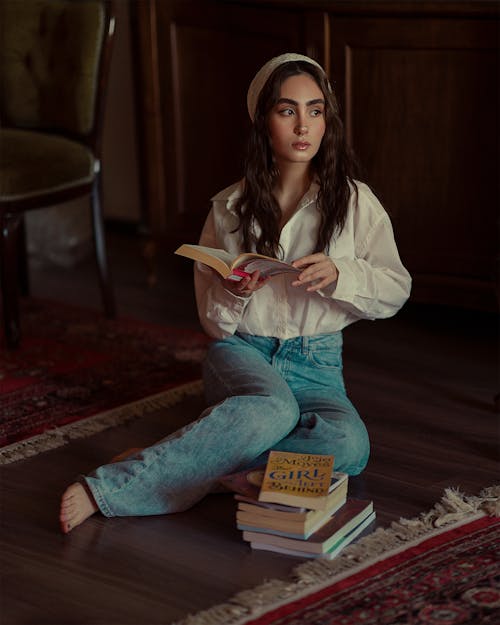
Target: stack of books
{"type": "Point", "coordinates": [298, 505]}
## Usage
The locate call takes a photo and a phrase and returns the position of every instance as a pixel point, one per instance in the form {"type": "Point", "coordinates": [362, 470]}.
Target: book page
{"type": "Point", "coordinates": [218, 259]}
{"type": "Point", "coordinates": [267, 267]}
{"type": "Point", "coordinates": [200, 250]}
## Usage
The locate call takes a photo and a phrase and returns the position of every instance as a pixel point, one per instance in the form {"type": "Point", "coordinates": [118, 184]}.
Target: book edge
{"type": "Point", "coordinates": [316, 548]}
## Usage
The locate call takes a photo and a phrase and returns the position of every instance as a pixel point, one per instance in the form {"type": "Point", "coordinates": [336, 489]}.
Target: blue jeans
{"type": "Point", "coordinates": [264, 393]}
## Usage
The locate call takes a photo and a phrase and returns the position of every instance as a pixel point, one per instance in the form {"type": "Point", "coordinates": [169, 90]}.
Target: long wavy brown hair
{"type": "Point", "coordinates": [333, 166]}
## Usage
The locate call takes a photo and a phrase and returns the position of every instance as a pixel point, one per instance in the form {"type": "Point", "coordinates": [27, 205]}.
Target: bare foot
{"type": "Point", "coordinates": [77, 504]}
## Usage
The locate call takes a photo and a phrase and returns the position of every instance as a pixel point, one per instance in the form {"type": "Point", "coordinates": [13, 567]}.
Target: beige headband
{"type": "Point", "coordinates": [266, 70]}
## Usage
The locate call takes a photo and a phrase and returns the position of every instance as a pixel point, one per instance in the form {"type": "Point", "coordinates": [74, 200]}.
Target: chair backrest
{"type": "Point", "coordinates": [54, 58]}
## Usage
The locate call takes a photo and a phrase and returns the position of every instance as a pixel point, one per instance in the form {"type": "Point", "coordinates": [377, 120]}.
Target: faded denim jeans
{"type": "Point", "coordinates": [264, 393]}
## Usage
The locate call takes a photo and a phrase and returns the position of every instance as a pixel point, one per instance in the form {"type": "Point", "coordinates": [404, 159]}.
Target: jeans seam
{"type": "Point", "coordinates": [154, 460]}
{"type": "Point", "coordinates": [99, 498]}
{"type": "Point", "coordinates": [219, 378]}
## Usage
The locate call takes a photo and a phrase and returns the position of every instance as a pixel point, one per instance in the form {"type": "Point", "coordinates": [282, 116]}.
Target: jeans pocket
{"type": "Point", "coordinates": [324, 350]}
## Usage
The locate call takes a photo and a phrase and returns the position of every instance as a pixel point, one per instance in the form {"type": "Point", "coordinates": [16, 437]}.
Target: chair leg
{"type": "Point", "coordinates": [22, 262]}
{"type": "Point", "coordinates": [9, 278]}
{"type": "Point", "coordinates": [100, 249]}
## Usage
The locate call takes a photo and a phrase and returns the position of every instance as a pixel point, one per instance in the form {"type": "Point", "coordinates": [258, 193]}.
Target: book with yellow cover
{"type": "Point", "coordinates": [235, 268]}
{"type": "Point", "coordinates": [252, 505]}
{"type": "Point", "coordinates": [246, 487]}
{"type": "Point", "coordinates": [301, 480]}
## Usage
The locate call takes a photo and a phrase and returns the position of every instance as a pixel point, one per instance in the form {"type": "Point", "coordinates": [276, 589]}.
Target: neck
{"type": "Point", "coordinates": [293, 179]}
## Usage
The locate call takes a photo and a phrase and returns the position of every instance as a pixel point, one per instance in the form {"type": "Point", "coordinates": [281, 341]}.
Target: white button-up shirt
{"type": "Point", "coordinates": [372, 282]}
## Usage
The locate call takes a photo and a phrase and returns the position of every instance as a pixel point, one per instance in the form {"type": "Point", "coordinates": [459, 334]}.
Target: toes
{"type": "Point", "coordinates": [70, 521]}
{"type": "Point", "coordinates": [68, 516]}
{"type": "Point", "coordinates": [76, 507]}
{"type": "Point", "coordinates": [68, 513]}
{"type": "Point", "coordinates": [67, 504]}
{"type": "Point", "coordinates": [66, 522]}
{"type": "Point", "coordinates": [69, 494]}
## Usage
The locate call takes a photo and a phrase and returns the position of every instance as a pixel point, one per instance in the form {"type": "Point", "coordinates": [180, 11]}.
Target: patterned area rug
{"type": "Point", "coordinates": [439, 569]}
{"type": "Point", "coordinates": [77, 373]}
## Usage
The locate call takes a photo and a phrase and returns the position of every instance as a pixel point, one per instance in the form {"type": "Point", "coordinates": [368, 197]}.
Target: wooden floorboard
{"type": "Point", "coordinates": [424, 381]}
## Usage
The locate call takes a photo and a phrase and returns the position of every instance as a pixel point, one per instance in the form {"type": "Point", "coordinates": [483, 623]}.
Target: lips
{"type": "Point", "coordinates": [301, 145]}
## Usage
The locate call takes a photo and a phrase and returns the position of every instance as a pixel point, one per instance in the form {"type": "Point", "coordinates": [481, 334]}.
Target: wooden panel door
{"type": "Point", "coordinates": [420, 97]}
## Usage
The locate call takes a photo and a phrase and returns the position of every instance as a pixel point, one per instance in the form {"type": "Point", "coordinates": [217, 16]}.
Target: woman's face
{"type": "Point", "coordinates": [297, 122]}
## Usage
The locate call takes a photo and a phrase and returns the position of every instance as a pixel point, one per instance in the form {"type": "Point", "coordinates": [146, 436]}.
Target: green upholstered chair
{"type": "Point", "coordinates": [54, 62]}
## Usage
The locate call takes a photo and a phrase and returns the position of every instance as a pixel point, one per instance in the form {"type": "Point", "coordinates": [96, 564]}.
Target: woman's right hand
{"type": "Point", "coordinates": [246, 286]}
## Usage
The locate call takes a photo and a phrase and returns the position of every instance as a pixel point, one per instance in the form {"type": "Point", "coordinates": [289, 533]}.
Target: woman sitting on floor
{"type": "Point", "coordinates": [273, 376]}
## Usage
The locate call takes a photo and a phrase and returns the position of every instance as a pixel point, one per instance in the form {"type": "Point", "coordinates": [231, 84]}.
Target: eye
{"type": "Point", "coordinates": [316, 112]}
{"type": "Point", "coordinates": [287, 112]}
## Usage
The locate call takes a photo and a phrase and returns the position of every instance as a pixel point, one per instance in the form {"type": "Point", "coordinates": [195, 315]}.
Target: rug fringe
{"type": "Point", "coordinates": [57, 437]}
{"type": "Point", "coordinates": [453, 508]}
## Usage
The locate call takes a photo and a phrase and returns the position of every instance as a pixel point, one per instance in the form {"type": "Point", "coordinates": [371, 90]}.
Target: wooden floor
{"type": "Point", "coordinates": [424, 381]}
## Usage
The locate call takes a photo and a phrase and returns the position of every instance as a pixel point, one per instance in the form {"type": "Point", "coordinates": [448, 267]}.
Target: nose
{"type": "Point", "coordinates": [301, 128]}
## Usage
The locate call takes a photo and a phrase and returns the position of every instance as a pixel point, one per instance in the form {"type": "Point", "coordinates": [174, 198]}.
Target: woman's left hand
{"type": "Point", "coordinates": [319, 272]}
{"type": "Point", "coordinates": [246, 286]}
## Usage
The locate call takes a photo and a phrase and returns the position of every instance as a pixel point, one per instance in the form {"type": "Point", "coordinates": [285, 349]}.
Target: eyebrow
{"type": "Point", "coordinates": [295, 103]}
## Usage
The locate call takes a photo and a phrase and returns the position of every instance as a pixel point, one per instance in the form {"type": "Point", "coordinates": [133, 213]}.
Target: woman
{"type": "Point", "coordinates": [273, 376]}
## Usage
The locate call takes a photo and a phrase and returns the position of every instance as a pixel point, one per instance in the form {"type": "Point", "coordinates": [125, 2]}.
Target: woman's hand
{"type": "Point", "coordinates": [246, 286]}
{"type": "Point", "coordinates": [319, 272]}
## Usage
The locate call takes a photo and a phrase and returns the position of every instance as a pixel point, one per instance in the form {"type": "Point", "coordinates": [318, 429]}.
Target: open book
{"type": "Point", "coordinates": [236, 268]}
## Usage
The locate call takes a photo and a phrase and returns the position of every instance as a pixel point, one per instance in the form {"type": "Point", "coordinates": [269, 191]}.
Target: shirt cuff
{"type": "Point", "coordinates": [344, 288]}
{"type": "Point", "coordinates": [233, 296]}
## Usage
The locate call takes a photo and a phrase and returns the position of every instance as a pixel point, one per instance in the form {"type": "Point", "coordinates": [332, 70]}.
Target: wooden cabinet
{"type": "Point", "coordinates": [418, 85]}
{"type": "Point", "coordinates": [420, 101]}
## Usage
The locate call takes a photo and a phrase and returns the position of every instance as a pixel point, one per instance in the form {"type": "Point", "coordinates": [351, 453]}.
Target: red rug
{"type": "Point", "coordinates": [76, 373]}
{"type": "Point", "coordinates": [448, 579]}
{"type": "Point", "coordinates": [421, 575]}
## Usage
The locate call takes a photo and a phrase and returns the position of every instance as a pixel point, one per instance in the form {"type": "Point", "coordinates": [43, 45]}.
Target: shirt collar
{"type": "Point", "coordinates": [230, 195]}
{"type": "Point", "coordinates": [233, 193]}
{"type": "Point", "coordinates": [310, 196]}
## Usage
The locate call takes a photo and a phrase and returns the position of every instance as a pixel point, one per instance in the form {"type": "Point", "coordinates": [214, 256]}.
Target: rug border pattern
{"type": "Point", "coordinates": [453, 510]}
{"type": "Point", "coordinates": [59, 436]}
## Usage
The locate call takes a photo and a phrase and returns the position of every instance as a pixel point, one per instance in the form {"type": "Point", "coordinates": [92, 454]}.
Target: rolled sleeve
{"type": "Point", "coordinates": [375, 284]}
{"type": "Point", "coordinates": [219, 310]}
